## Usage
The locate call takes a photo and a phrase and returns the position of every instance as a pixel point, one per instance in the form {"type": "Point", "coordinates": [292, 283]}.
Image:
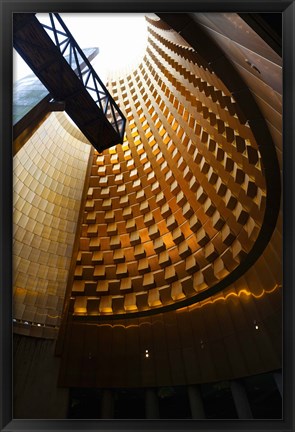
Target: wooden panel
{"type": "Point", "coordinates": [191, 365]}
{"type": "Point", "coordinates": [148, 378]}
{"type": "Point", "coordinates": [133, 354]}
{"type": "Point", "coordinates": [90, 354]}
{"type": "Point", "coordinates": [118, 360]}
{"type": "Point", "coordinates": [235, 357]}
{"type": "Point", "coordinates": [104, 372]}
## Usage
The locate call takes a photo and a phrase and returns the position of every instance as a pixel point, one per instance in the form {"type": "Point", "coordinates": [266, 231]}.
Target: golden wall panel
{"type": "Point", "coordinates": [183, 198]}
{"type": "Point", "coordinates": [48, 177]}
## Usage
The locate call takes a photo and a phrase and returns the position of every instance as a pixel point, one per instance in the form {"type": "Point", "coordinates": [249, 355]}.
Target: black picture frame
{"type": "Point", "coordinates": [7, 7]}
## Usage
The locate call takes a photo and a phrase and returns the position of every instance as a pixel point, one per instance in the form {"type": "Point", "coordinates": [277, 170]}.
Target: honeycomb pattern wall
{"type": "Point", "coordinates": [179, 205]}
{"type": "Point", "coordinates": [48, 180]}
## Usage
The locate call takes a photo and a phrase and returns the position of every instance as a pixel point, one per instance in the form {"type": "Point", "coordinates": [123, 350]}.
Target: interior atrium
{"type": "Point", "coordinates": [148, 273]}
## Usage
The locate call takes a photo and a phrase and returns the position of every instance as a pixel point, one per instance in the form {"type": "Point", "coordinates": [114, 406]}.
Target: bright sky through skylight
{"type": "Point", "coordinates": [121, 39]}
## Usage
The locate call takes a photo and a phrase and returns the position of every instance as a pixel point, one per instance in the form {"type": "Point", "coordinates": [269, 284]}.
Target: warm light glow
{"type": "Point", "coordinates": [244, 292]}
{"type": "Point", "coordinates": [197, 305]}
{"type": "Point", "coordinates": [131, 308]}
{"type": "Point", "coordinates": [80, 310]}
{"type": "Point", "coordinates": [107, 310]}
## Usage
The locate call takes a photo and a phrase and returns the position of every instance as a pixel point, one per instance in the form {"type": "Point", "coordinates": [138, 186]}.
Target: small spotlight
{"type": "Point", "coordinates": [256, 327]}
{"type": "Point", "coordinates": [146, 351]}
{"type": "Point", "coordinates": [39, 325]}
{"type": "Point", "coordinates": [26, 322]}
{"type": "Point", "coordinates": [147, 355]}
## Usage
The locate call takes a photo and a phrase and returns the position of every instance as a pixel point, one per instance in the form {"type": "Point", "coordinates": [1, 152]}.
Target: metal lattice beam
{"type": "Point", "coordinates": [55, 57]}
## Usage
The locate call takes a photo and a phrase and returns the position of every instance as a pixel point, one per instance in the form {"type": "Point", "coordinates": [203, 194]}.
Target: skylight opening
{"type": "Point", "coordinates": [121, 39]}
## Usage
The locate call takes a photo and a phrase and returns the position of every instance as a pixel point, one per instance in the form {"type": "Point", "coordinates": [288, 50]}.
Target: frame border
{"type": "Point", "coordinates": [287, 8]}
